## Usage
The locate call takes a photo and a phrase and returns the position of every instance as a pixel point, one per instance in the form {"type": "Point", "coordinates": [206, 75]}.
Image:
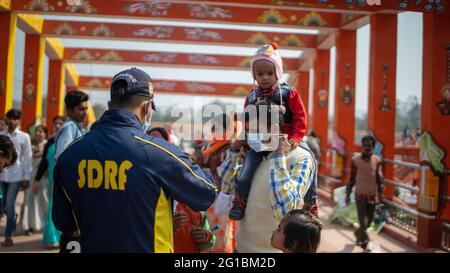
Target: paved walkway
{"type": "Point", "coordinates": [335, 238]}
{"type": "Point", "coordinates": [338, 238]}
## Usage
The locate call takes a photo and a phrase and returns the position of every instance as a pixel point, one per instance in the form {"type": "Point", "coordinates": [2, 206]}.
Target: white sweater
{"type": "Point", "coordinates": [255, 229]}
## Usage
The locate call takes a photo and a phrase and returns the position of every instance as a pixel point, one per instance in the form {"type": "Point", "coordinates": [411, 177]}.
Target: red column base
{"type": "Point", "coordinates": [429, 232]}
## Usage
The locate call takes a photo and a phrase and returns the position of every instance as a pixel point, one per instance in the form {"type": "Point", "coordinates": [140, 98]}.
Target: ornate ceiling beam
{"type": "Point", "coordinates": [166, 59]}
{"type": "Point", "coordinates": [174, 87]}
{"type": "Point", "coordinates": [223, 13]}
{"type": "Point", "coordinates": [172, 34]}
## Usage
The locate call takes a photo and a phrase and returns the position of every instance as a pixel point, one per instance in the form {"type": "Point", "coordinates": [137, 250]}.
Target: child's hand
{"type": "Point", "coordinates": [199, 235]}
{"type": "Point", "coordinates": [293, 143]}
{"type": "Point", "coordinates": [179, 220]}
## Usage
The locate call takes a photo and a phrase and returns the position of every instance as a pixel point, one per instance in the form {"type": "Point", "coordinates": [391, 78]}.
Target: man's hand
{"type": "Point", "coordinates": [199, 235]}
{"type": "Point", "coordinates": [179, 220]}
{"type": "Point", "coordinates": [25, 184]}
{"type": "Point", "coordinates": [284, 147]}
{"type": "Point", "coordinates": [36, 187]}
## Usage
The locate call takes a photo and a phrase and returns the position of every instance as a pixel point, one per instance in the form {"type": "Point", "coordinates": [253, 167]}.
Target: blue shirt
{"type": "Point", "coordinates": [116, 186]}
{"type": "Point", "coordinates": [70, 131]}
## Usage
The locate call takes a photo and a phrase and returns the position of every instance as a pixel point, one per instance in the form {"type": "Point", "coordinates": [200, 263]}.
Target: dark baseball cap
{"type": "Point", "coordinates": [138, 83]}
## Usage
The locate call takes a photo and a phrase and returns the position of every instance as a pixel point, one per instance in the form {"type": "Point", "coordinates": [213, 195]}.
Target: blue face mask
{"type": "Point", "coordinates": [147, 124]}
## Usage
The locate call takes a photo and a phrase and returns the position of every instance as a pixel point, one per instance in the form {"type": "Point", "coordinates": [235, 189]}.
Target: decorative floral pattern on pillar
{"type": "Point", "coordinates": [385, 107]}
{"type": "Point", "coordinates": [431, 153]}
{"type": "Point", "coordinates": [202, 11]}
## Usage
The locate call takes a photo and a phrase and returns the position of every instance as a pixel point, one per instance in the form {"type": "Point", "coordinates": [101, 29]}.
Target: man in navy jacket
{"type": "Point", "coordinates": [115, 186]}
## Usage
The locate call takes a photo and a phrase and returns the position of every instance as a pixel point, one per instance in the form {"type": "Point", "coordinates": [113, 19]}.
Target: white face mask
{"type": "Point", "coordinates": [255, 141]}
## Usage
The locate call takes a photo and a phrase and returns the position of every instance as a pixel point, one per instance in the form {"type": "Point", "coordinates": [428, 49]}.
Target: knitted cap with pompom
{"type": "Point", "coordinates": [268, 52]}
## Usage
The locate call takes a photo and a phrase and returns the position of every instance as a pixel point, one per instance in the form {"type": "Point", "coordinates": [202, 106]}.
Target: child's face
{"type": "Point", "coordinates": [277, 240]}
{"type": "Point", "coordinates": [265, 74]}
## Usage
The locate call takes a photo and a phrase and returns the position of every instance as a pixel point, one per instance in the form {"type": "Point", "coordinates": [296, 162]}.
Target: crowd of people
{"type": "Point", "coordinates": [125, 187]}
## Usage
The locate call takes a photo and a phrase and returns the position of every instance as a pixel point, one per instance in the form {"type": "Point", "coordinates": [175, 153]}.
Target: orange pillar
{"type": "Point", "coordinates": [32, 79]}
{"type": "Point", "coordinates": [7, 44]}
{"type": "Point", "coordinates": [320, 98]}
{"type": "Point", "coordinates": [55, 93]}
{"type": "Point", "coordinates": [435, 117]}
{"type": "Point", "coordinates": [382, 82]}
{"type": "Point", "coordinates": [344, 99]}
{"type": "Point", "coordinates": [303, 87]}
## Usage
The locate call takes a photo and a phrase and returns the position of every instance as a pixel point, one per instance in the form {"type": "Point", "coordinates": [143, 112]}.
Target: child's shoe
{"type": "Point", "coordinates": [238, 210]}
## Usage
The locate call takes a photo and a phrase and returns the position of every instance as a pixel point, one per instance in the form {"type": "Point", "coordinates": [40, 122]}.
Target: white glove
{"type": "Point", "coordinates": [224, 203]}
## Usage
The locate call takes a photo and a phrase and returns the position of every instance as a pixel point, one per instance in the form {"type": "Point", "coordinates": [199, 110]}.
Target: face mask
{"type": "Point", "coordinates": [147, 124]}
{"type": "Point", "coordinates": [255, 141]}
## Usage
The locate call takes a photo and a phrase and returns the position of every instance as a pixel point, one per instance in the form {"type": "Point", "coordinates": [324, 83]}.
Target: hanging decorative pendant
{"type": "Point", "coordinates": [322, 94]}
{"type": "Point", "coordinates": [444, 105]}
{"type": "Point", "coordinates": [347, 92]}
{"type": "Point", "coordinates": [385, 107]}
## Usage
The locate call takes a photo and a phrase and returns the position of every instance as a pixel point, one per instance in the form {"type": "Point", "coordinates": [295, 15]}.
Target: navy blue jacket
{"type": "Point", "coordinates": [116, 186]}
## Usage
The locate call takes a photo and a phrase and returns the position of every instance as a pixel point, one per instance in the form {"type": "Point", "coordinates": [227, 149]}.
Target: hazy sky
{"type": "Point", "coordinates": [409, 64]}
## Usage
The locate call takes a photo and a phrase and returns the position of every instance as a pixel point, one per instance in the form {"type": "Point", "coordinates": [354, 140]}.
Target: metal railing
{"type": "Point", "coordinates": [402, 217]}
{"type": "Point", "coordinates": [401, 185]}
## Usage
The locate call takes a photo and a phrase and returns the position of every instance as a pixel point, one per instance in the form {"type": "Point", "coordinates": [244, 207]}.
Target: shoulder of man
{"type": "Point", "coordinates": [67, 153]}
{"type": "Point", "coordinates": [23, 134]}
{"type": "Point", "coordinates": [356, 156]}
{"type": "Point", "coordinates": [69, 124]}
{"type": "Point", "coordinates": [300, 154]}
